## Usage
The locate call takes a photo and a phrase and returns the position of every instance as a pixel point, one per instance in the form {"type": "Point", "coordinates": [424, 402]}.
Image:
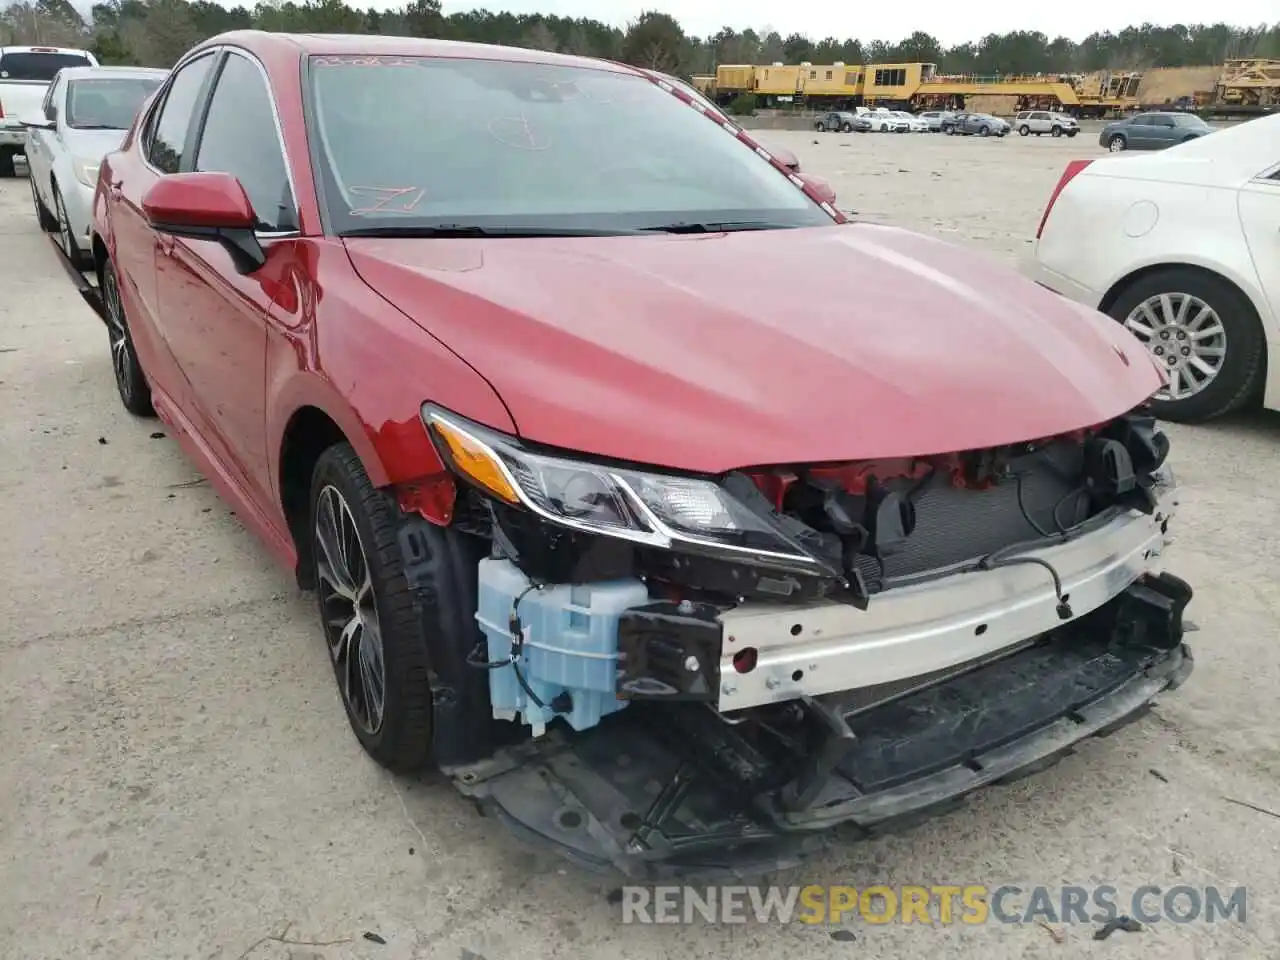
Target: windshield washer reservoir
{"type": "Point", "coordinates": [570, 645]}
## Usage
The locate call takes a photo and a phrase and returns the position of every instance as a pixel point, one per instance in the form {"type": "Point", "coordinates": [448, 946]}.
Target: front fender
{"type": "Point", "coordinates": [348, 353]}
{"type": "Point", "coordinates": [309, 389]}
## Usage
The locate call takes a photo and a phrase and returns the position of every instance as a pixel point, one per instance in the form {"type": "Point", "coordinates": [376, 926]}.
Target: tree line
{"type": "Point", "coordinates": [157, 32]}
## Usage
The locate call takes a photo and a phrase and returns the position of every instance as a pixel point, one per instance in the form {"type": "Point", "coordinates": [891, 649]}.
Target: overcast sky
{"type": "Point", "coordinates": [949, 21]}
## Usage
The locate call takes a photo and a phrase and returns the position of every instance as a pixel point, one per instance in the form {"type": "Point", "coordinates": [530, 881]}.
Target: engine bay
{"type": "Point", "coordinates": [787, 647]}
{"type": "Point", "coordinates": [578, 625]}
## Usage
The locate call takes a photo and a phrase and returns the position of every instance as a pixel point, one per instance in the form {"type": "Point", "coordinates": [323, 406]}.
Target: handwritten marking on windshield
{"type": "Point", "coordinates": [337, 60]}
{"type": "Point", "coordinates": [388, 200]}
{"type": "Point", "coordinates": [517, 132]}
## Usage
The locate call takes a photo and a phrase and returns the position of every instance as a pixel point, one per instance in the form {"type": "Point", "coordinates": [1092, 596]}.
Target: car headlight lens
{"type": "Point", "coordinates": [653, 509]}
{"type": "Point", "coordinates": [86, 171]}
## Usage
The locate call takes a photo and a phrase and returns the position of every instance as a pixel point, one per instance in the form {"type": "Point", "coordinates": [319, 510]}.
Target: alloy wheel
{"type": "Point", "coordinates": [1185, 336]}
{"type": "Point", "coordinates": [351, 625]}
{"type": "Point", "coordinates": [118, 331]}
{"type": "Point", "coordinates": [1116, 145]}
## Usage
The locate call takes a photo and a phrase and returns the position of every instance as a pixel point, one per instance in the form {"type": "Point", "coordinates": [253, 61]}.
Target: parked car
{"type": "Point", "coordinates": [836, 121]}
{"type": "Point", "coordinates": [785, 156]}
{"type": "Point", "coordinates": [85, 115]}
{"type": "Point", "coordinates": [25, 75]}
{"type": "Point", "coordinates": [935, 118]}
{"type": "Point", "coordinates": [883, 121]}
{"type": "Point", "coordinates": [569, 486]}
{"type": "Point", "coordinates": [1041, 122]}
{"type": "Point", "coordinates": [1183, 248]}
{"type": "Point", "coordinates": [976, 124]}
{"type": "Point", "coordinates": [914, 124]}
{"type": "Point", "coordinates": [1152, 131]}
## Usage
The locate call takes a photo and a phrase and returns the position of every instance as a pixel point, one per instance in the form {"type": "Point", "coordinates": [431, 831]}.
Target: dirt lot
{"type": "Point", "coordinates": [177, 778]}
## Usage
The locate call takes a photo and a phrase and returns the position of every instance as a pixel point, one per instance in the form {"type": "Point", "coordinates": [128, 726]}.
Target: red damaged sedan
{"type": "Point", "coordinates": [525, 365]}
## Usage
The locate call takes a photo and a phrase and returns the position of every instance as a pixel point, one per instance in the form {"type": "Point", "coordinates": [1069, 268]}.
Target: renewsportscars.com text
{"type": "Point", "coordinates": [935, 904]}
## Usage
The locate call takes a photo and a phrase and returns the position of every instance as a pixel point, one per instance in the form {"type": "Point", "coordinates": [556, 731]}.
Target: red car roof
{"type": "Point", "coordinates": [322, 44]}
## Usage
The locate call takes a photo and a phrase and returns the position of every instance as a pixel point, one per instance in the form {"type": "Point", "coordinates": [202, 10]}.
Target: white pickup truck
{"type": "Point", "coordinates": [25, 73]}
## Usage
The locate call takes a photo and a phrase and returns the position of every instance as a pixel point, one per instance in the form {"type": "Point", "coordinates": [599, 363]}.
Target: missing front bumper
{"type": "Point", "coordinates": [672, 789]}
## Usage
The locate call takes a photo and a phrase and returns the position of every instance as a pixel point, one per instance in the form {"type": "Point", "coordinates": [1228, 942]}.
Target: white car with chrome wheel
{"type": "Point", "coordinates": [1183, 248]}
{"type": "Point", "coordinates": [85, 115]}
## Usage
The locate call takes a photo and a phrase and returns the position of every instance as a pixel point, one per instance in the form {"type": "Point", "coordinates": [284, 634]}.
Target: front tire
{"type": "Point", "coordinates": [384, 646]}
{"type": "Point", "coordinates": [1056, 131]}
{"type": "Point", "coordinates": [66, 236]}
{"type": "Point", "coordinates": [48, 223]}
{"type": "Point", "coordinates": [847, 128]}
{"type": "Point", "coordinates": [131, 382]}
{"type": "Point", "coordinates": [375, 644]}
{"type": "Point", "coordinates": [984, 131]}
{"type": "Point", "coordinates": [1204, 333]}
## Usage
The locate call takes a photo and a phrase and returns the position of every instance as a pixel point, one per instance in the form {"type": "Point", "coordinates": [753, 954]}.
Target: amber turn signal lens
{"type": "Point", "coordinates": [476, 461]}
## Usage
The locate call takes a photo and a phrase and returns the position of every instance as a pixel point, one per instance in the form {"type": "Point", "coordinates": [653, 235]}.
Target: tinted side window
{"type": "Point", "coordinates": [240, 138]}
{"type": "Point", "coordinates": [173, 121]}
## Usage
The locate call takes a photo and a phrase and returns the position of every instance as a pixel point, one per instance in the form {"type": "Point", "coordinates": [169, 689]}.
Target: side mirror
{"type": "Point", "coordinates": [821, 187]}
{"type": "Point", "coordinates": [206, 206]}
{"type": "Point", "coordinates": [786, 158]}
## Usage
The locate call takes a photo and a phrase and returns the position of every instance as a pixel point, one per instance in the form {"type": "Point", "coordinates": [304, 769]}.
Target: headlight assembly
{"type": "Point", "coordinates": [653, 509]}
{"type": "Point", "coordinates": [86, 171]}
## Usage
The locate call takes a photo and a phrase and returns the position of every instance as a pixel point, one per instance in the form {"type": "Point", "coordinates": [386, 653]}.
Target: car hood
{"type": "Point", "coordinates": [92, 144]}
{"type": "Point", "coordinates": [718, 351]}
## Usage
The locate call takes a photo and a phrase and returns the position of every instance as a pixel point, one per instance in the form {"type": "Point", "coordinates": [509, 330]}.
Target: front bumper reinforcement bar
{"type": "Point", "coordinates": [672, 790]}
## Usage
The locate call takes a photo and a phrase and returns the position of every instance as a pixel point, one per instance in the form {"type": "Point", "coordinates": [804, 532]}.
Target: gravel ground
{"type": "Point", "coordinates": [177, 778]}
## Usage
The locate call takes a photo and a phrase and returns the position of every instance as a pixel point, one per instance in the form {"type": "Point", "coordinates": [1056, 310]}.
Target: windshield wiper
{"type": "Point", "coordinates": [94, 126]}
{"type": "Point", "coordinates": [722, 226]}
{"type": "Point", "coordinates": [473, 230]}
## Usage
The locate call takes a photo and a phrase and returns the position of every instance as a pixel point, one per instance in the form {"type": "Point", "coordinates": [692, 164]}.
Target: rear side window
{"type": "Point", "coordinates": [240, 138]}
{"type": "Point", "coordinates": [173, 122]}
{"type": "Point", "coordinates": [38, 66]}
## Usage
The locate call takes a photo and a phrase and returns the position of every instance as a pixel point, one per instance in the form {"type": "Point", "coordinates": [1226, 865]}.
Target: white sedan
{"type": "Point", "coordinates": [85, 115]}
{"type": "Point", "coordinates": [914, 124]}
{"type": "Point", "coordinates": [884, 121]}
{"type": "Point", "coordinates": [1183, 248]}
